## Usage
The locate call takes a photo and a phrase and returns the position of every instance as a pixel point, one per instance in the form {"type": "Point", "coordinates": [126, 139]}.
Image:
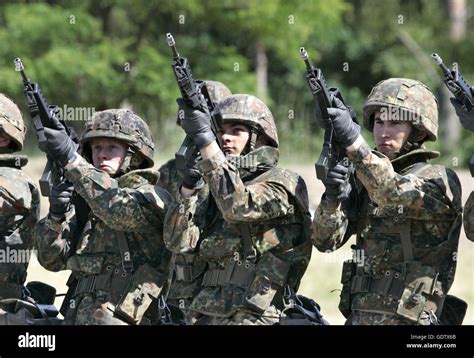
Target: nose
{"type": "Point", "coordinates": [103, 154]}
{"type": "Point", "coordinates": [385, 132]}
{"type": "Point", "coordinates": [226, 138]}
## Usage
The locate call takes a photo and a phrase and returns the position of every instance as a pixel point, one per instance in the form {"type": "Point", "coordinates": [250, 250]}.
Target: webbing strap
{"type": "Point", "coordinates": [125, 253]}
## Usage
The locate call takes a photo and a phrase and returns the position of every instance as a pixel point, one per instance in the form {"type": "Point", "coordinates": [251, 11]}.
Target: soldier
{"type": "Point", "coordinates": [256, 238]}
{"type": "Point", "coordinates": [188, 268]}
{"type": "Point", "coordinates": [467, 120]}
{"type": "Point", "coordinates": [19, 205]}
{"type": "Point", "coordinates": [114, 246]}
{"type": "Point", "coordinates": [19, 212]}
{"type": "Point", "coordinates": [406, 213]}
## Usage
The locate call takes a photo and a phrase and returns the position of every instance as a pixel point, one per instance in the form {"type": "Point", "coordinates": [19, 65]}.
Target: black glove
{"type": "Point", "coordinates": [337, 183]}
{"type": "Point", "coordinates": [59, 145]}
{"type": "Point", "coordinates": [60, 199]}
{"type": "Point", "coordinates": [192, 177]}
{"type": "Point", "coordinates": [346, 130]}
{"type": "Point", "coordinates": [196, 124]}
{"type": "Point", "coordinates": [466, 118]}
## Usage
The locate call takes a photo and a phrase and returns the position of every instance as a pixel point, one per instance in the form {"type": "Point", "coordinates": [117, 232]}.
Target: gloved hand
{"type": "Point", "coordinates": [58, 144]}
{"type": "Point", "coordinates": [346, 130]}
{"type": "Point", "coordinates": [60, 199]}
{"type": "Point", "coordinates": [337, 183]}
{"type": "Point", "coordinates": [192, 177]}
{"type": "Point", "coordinates": [466, 118]}
{"type": "Point", "coordinates": [196, 124]}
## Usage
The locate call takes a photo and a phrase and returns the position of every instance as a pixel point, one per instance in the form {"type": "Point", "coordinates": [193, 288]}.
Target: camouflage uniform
{"type": "Point", "coordinates": [407, 218]}
{"type": "Point", "coordinates": [467, 121]}
{"type": "Point", "coordinates": [256, 238]}
{"type": "Point", "coordinates": [116, 254]}
{"type": "Point", "coordinates": [19, 205]}
{"type": "Point", "coordinates": [189, 268]}
{"type": "Point", "coordinates": [469, 217]}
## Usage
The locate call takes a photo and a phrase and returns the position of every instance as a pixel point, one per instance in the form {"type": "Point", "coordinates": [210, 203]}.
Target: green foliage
{"type": "Point", "coordinates": [110, 53]}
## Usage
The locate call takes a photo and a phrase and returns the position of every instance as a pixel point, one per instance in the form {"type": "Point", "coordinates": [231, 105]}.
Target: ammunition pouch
{"type": "Point", "coordinates": [348, 274]}
{"type": "Point", "coordinates": [422, 293]}
{"type": "Point", "coordinates": [132, 293]}
{"type": "Point", "coordinates": [185, 268]}
{"type": "Point", "coordinates": [417, 290]}
{"type": "Point", "coordinates": [235, 273]}
{"type": "Point", "coordinates": [144, 288]}
{"type": "Point", "coordinates": [270, 277]}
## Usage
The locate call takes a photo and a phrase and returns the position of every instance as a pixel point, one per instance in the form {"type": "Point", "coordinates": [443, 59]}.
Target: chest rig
{"type": "Point", "coordinates": [407, 288]}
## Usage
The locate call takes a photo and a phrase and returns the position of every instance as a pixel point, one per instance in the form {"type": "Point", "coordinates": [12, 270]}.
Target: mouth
{"type": "Point", "coordinates": [385, 145]}
{"type": "Point", "coordinates": [104, 167]}
{"type": "Point", "coordinates": [227, 149]}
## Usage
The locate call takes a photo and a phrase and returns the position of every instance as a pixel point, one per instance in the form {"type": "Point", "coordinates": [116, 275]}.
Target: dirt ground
{"type": "Point", "coordinates": [322, 279]}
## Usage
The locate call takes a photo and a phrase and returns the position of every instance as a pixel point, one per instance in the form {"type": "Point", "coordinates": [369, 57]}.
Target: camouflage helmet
{"type": "Point", "coordinates": [217, 90]}
{"type": "Point", "coordinates": [124, 125]}
{"type": "Point", "coordinates": [413, 101]}
{"type": "Point", "coordinates": [249, 110]}
{"type": "Point", "coordinates": [11, 122]}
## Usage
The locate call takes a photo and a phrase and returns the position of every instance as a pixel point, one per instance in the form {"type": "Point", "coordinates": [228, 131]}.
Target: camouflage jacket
{"type": "Point", "coordinates": [132, 204]}
{"type": "Point", "coordinates": [268, 203]}
{"type": "Point", "coordinates": [469, 217]}
{"type": "Point", "coordinates": [19, 212]}
{"type": "Point", "coordinates": [189, 268]}
{"type": "Point", "coordinates": [397, 199]}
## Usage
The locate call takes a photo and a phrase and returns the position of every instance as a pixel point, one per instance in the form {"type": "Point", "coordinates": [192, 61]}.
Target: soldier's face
{"type": "Point", "coordinates": [5, 140]}
{"type": "Point", "coordinates": [108, 154]}
{"type": "Point", "coordinates": [390, 136]}
{"type": "Point", "coordinates": [234, 138]}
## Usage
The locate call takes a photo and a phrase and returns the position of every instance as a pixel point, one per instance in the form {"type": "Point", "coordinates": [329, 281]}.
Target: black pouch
{"type": "Point", "coordinates": [348, 273]}
{"type": "Point", "coordinates": [71, 283]}
{"type": "Point", "coordinates": [271, 274]}
{"type": "Point", "coordinates": [145, 287]}
{"type": "Point", "coordinates": [454, 310]}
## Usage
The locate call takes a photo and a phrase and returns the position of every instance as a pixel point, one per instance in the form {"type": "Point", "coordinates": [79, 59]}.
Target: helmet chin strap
{"type": "Point", "coordinates": [408, 146]}
{"type": "Point", "coordinates": [127, 163]}
{"type": "Point", "coordinates": [251, 143]}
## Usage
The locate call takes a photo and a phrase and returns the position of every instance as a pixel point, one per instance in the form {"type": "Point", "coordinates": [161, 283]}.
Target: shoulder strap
{"type": "Point", "coordinates": [125, 253]}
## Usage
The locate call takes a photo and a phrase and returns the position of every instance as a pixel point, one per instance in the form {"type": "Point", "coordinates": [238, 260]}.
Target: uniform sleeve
{"type": "Point", "coordinates": [469, 217]}
{"type": "Point", "coordinates": [53, 243]}
{"type": "Point", "coordinates": [141, 210]}
{"type": "Point", "coordinates": [239, 202]}
{"type": "Point", "coordinates": [329, 226]}
{"type": "Point", "coordinates": [181, 233]}
{"type": "Point", "coordinates": [19, 207]}
{"type": "Point", "coordinates": [417, 197]}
